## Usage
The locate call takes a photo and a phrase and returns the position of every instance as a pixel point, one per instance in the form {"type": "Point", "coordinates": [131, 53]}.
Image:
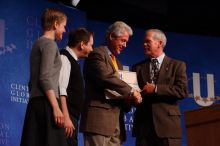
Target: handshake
{"type": "Point", "coordinates": [135, 96]}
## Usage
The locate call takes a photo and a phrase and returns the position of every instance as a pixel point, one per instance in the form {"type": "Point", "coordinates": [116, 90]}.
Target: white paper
{"type": "Point", "coordinates": [127, 76]}
{"type": "Point", "coordinates": [130, 78]}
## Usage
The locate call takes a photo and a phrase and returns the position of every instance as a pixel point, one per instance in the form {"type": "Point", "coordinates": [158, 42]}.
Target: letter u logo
{"type": "Point", "coordinates": [210, 99]}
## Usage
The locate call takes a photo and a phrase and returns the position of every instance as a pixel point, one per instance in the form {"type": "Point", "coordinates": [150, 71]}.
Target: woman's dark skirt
{"type": "Point", "coordinates": [39, 126]}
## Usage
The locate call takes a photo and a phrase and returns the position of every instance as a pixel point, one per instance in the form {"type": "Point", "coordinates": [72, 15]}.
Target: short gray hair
{"type": "Point", "coordinates": [159, 35]}
{"type": "Point", "coordinates": [118, 28]}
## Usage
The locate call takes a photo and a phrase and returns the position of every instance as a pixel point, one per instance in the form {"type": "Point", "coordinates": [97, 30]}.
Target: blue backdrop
{"type": "Point", "coordinates": [20, 26]}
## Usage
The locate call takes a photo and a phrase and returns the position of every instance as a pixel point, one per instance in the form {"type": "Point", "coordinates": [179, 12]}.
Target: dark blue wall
{"type": "Point", "coordinates": [20, 26]}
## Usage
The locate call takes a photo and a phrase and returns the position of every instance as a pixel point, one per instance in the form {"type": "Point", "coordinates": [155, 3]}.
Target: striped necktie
{"type": "Point", "coordinates": [154, 70]}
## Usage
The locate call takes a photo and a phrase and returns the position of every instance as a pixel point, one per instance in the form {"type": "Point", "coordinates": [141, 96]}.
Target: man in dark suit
{"type": "Point", "coordinates": [71, 85]}
{"type": "Point", "coordinates": [102, 121]}
{"type": "Point", "coordinates": [164, 82]}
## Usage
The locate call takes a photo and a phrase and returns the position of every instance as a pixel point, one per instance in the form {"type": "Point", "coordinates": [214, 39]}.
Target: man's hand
{"type": "Point", "coordinates": [149, 88]}
{"type": "Point", "coordinates": [137, 97]}
{"type": "Point", "coordinates": [69, 127]}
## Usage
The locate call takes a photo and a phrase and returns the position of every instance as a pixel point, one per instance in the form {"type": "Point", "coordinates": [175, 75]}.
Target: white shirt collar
{"type": "Point", "coordinates": [160, 58]}
{"type": "Point", "coordinates": [72, 53]}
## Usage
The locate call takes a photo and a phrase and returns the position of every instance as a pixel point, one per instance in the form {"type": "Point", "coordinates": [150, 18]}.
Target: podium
{"type": "Point", "coordinates": [203, 126]}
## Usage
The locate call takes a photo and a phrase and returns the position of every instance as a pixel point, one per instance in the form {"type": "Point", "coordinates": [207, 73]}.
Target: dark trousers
{"type": "Point", "coordinates": [73, 141]}
{"type": "Point", "coordinates": [153, 140]}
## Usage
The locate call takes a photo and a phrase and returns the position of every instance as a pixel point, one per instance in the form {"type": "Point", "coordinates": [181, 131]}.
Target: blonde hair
{"type": "Point", "coordinates": [49, 16]}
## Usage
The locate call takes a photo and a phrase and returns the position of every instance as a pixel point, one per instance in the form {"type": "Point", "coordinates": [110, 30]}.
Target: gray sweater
{"type": "Point", "coordinates": [45, 67]}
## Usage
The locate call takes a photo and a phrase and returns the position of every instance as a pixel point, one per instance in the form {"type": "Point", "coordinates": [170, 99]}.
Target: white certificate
{"type": "Point", "coordinates": [130, 78]}
{"type": "Point", "coordinates": [127, 76]}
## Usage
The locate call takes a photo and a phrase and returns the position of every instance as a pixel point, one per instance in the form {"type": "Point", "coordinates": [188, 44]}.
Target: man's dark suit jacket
{"type": "Point", "coordinates": [99, 114]}
{"type": "Point", "coordinates": [160, 111]}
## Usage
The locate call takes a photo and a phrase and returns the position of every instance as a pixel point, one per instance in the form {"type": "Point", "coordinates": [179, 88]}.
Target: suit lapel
{"type": "Point", "coordinates": [120, 66]}
{"type": "Point", "coordinates": [163, 69]}
{"type": "Point", "coordinates": [109, 58]}
{"type": "Point", "coordinates": [145, 72]}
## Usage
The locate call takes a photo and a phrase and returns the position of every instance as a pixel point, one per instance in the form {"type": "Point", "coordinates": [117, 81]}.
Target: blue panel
{"type": "Point", "coordinates": [19, 28]}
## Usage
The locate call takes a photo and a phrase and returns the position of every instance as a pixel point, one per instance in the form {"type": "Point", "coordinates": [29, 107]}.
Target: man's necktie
{"type": "Point", "coordinates": [154, 70]}
{"type": "Point", "coordinates": [114, 62]}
